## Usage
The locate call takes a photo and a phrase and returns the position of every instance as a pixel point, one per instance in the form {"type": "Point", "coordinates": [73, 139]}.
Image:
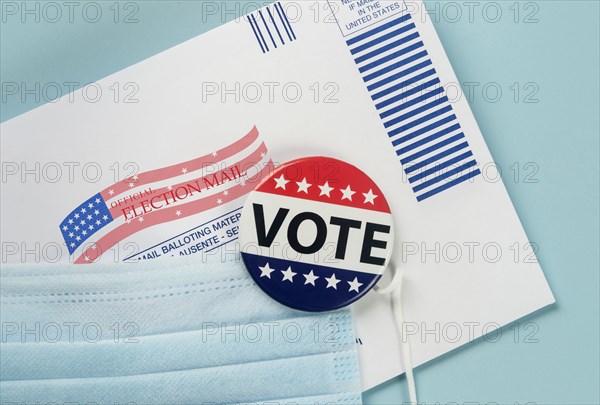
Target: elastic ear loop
{"type": "Point", "coordinates": [395, 290]}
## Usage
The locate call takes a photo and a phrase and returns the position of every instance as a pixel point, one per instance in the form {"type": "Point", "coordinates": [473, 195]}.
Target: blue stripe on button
{"type": "Point", "coordinates": [376, 30]}
{"type": "Point", "coordinates": [446, 186]}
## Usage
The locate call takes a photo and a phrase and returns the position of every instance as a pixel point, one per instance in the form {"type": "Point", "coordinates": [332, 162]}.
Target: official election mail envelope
{"type": "Point", "coordinates": [163, 171]}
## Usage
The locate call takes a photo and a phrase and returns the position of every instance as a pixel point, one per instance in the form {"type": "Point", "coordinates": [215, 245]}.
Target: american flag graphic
{"type": "Point", "coordinates": [163, 195]}
{"type": "Point", "coordinates": [352, 209]}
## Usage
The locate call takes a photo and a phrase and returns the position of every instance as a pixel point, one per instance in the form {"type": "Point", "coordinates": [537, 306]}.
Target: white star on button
{"type": "Point", "coordinates": [310, 278]}
{"type": "Point", "coordinates": [266, 271]}
{"type": "Point", "coordinates": [281, 182]}
{"type": "Point", "coordinates": [288, 274]}
{"type": "Point", "coordinates": [347, 193]}
{"type": "Point", "coordinates": [325, 189]}
{"type": "Point", "coordinates": [184, 170]}
{"type": "Point", "coordinates": [354, 284]}
{"type": "Point", "coordinates": [303, 185]}
{"type": "Point", "coordinates": [370, 197]}
{"type": "Point", "coordinates": [332, 281]}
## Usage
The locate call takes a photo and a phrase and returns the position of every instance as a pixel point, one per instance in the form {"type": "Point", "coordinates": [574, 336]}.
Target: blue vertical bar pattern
{"type": "Point", "coordinates": [271, 27]}
{"type": "Point", "coordinates": [413, 107]}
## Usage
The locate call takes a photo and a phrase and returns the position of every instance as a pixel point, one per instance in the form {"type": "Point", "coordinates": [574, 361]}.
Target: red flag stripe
{"type": "Point", "coordinates": [245, 163]}
{"type": "Point", "coordinates": [168, 172]}
{"type": "Point", "coordinates": [166, 215]}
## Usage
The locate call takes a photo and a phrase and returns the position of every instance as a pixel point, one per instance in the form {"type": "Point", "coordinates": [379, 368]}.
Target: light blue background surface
{"type": "Point", "coordinates": [559, 134]}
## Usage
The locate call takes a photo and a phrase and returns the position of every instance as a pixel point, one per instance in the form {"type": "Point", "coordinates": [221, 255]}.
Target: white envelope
{"type": "Point", "coordinates": [361, 81]}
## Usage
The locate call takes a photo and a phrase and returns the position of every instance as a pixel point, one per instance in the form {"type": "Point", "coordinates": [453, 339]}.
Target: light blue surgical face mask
{"type": "Point", "coordinates": [170, 332]}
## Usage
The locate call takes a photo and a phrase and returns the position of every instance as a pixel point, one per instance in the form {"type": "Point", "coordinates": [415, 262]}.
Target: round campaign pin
{"type": "Point", "coordinates": [316, 234]}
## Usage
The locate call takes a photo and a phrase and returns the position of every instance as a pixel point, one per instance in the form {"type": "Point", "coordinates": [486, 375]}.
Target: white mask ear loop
{"type": "Point", "coordinates": [395, 290]}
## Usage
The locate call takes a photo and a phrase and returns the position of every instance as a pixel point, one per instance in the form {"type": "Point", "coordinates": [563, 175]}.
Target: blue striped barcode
{"type": "Point", "coordinates": [413, 107]}
{"type": "Point", "coordinates": [271, 27]}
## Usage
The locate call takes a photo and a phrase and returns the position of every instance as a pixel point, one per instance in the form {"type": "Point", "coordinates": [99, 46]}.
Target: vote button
{"type": "Point", "coordinates": [317, 234]}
